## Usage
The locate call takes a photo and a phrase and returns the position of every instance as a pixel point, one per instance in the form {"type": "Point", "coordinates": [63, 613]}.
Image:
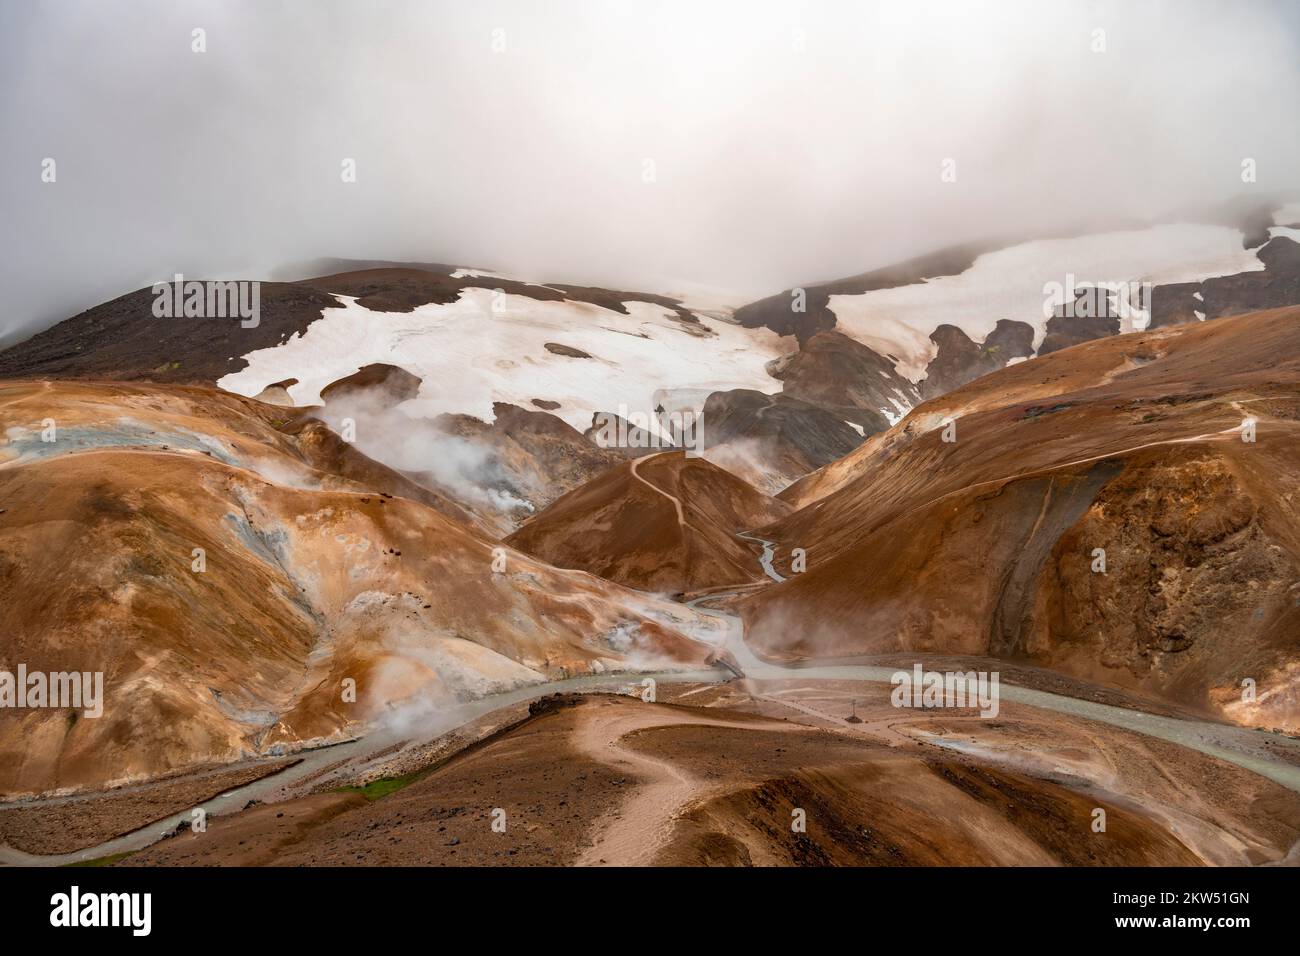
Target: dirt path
{"type": "Point", "coordinates": [354, 754]}
{"type": "Point", "coordinates": [643, 824]}
{"type": "Point", "coordinates": [681, 515]}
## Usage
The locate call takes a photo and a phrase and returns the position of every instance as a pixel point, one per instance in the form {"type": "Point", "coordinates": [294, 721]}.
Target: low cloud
{"type": "Point", "coordinates": [468, 471]}
{"type": "Point", "coordinates": [743, 145]}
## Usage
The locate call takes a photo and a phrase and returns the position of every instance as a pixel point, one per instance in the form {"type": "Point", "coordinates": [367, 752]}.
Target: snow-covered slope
{"type": "Point", "coordinates": [1009, 284]}
{"type": "Point", "coordinates": [488, 347]}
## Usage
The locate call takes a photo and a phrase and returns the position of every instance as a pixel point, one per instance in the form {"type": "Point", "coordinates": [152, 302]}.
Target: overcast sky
{"type": "Point", "coordinates": [790, 141]}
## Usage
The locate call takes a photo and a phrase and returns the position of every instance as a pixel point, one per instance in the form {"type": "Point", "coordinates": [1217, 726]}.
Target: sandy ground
{"type": "Point", "coordinates": [60, 825]}
{"type": "Point", "coordinates": [549, 792]}
{"type": "Point", "coordinates": [713, 775]}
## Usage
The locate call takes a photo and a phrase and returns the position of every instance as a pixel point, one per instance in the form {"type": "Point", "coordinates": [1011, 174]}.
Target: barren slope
{"type": "Point", "coordinates": [306, 578]}
{"type": "Point", "coordinates": [664, 523]}
{"type": "Point", "coordinates": [714, 778]}
{"type": "Point", "coordinates": [986, 545]}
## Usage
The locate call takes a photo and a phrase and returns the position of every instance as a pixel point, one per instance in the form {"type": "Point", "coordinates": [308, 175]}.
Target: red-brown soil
{"type": "Point", "coordinates": [307, 579]}
{"type": "Point", "coordinates": [714, 777]}
{"type": "Point", "coordinates": [62, 825]}
{"type": "Point", "coordinates": [664, 523]}
{"type": "Point", "coordinates": [985, 545]}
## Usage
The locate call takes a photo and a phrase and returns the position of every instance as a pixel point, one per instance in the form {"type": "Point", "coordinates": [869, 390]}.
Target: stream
{"type": "Point", "coordinates": [1238, 745]}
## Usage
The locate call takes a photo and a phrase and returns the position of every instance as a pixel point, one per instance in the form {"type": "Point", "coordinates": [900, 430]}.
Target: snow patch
{"type": "Point", "coordinates": [1009, 284]}
{"type": "Point", "coordinates": [475, 274]}
{"type": "Point", "coordinates": [469, 356]}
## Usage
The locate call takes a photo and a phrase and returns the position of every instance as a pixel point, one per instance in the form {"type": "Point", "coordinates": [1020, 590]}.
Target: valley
{"type": "Point", "coordinates": [369, 605]}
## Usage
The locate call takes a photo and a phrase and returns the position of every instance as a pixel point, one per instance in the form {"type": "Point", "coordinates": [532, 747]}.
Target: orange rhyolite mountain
{"type": "Point", "coordinates": [992, 543]}
{"type": "Point", "coordinates": [227, 570]}
{"type": "Point", "coordinates": [664, 523]}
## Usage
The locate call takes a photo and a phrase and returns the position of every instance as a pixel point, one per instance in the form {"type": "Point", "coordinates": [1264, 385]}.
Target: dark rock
{"type": "Point", "coordinates": [397, 384]}
{"type": "Point", "coordinates": [567, 350]}
{"type": "Point", "coordinates": [846, 378]}
{"type": "Point", "coordinates": [960, 360]}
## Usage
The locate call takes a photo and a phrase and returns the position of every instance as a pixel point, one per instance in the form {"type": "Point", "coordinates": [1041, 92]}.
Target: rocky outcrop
{"type": "Point", "coordinates": [771, 440]}
{"type": "Point", "coordinates": [395, 384]}
{"type": "Point", "coordinates": [846, 378]}
{"type": "Point", "coordinates": [1276, 285]}
{"type": "Point", "coordinates": [960, 360]}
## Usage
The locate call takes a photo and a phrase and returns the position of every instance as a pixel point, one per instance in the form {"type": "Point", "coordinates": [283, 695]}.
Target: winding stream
{"type": "Point", "coordinates": [1237, 745]}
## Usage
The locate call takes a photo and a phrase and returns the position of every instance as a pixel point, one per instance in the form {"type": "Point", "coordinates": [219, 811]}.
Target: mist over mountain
{"type": "Point", "coordinates": [744, 146]}
{"type": "Point", "coordinates": [714, 433]}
